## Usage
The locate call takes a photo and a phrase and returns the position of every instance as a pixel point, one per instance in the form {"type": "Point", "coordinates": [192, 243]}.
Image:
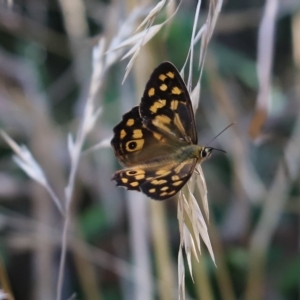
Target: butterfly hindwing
{"type": "Point", "coordinates": [166, 104]}
{"type": "Point", "coordinates": [159, 182]}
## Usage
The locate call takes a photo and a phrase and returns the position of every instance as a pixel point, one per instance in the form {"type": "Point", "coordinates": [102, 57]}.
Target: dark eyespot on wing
{"type": "Point", "coordinates": [167, 184]}
{"type": "Point", "coordinates": [131, 179]}
{"type": "Point", "coordinates": [134, 143]}
{"type": "Point", "coordinates": [160, 182]}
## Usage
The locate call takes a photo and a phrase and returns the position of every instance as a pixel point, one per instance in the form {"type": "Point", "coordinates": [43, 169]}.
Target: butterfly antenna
{"type": "Point", "coordinates": [218, 135]}
{"type": "Point", "coordinates": [215, 149]}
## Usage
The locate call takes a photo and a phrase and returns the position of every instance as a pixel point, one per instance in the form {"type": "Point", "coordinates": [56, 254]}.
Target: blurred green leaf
{"type": "Point", "coordinates": [234, 63]}
{"type": "Point", "coordinates": [93, 222]}
{"type": "Point", "coordinates": [290, 276]}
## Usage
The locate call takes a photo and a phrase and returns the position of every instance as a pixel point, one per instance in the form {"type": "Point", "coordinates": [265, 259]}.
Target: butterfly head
{"type": "Point", "coordinates": [205, 153]}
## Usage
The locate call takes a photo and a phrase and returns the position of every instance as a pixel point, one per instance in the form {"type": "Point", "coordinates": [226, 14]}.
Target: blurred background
{"type": "Point", "coordinates": [122, 245]}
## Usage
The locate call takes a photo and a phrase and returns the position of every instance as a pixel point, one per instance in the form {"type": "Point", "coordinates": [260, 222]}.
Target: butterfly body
{"type": "Point", "coordinates": [157, 140]}
{"type": "Point", "coordinates": [193, 152]}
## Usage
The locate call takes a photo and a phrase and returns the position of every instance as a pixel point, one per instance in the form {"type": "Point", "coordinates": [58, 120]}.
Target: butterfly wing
{"type": "Point", "coordinates": [159, 182]}
{"type": "Point", "coordinates": [134, 143]}
{"type": "Point", "coordinates": [166, 105]}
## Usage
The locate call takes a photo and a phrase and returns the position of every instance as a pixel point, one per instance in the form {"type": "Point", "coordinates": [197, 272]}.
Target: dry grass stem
{"type": "Point", "coordinates": [181, 275]}
{"type": "Point", "coordinates": [276, 198]}
{"type": "Point", "coordinates": [140, 39]}
{"type": "Point", "coordinates": [75, 147]}
{"type": "Point", "coordinates": [195, 96]}
{"type": "Point", "coordinates": [163, 257]}
{"type": "Point", "coordinates": [264, 66]}
{"type": "Point", "coordinates": [29, 165]}
{"type": "Point", "coordinates": [227, 113]}
{"type": "Point", "coordinates": [191, 50]}
{"type": "Point", "coordinates": [203, 286]}
{"type": "Point", "coordinates": [152, 14]}
{"type": "Point", "coordinates": [114, 52]}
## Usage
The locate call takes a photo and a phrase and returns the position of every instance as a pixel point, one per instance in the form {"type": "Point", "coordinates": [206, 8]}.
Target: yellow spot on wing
{"type": "Point", "coordinates": [178, 123]}
{"type": "Point", "coordinates": [164, 188]}
{"type": "Point", "coordinates": [163, 194]}
{"type": "Point", "coordinates": [160, 125]}
{"type": "Point", "coordinates": [135, 183]}
{"type": "Point", "coordinates": [130, 122]}
{"type": "Point", "coordinates": [163, 119]}
{"type": "Point", "coordinates": [152, 191]}
{"type": "Point", "coordinates": [156, 181]}
{"type": "Point", "coordinates": [137, 133]}
{"type": "Point", "coordinates": [162, 77]}
{"type": "Point", "coordinates": [151, 92]}
{"type": "Point", "coordinates": [163, 87]}
{"type": "Point", "coordinates": [178, 169]}
{"type": "Point", "coordinates": [176, 90]}
{"type": "Point", "coordinates": [122, 134]}
{"type": "Point", "coordinates": [175, 177]}
{"type": "Point", "coordinates": [170, 74]}
{"type": "Point", "coordinates": [139, 177]}
{"type": "Point", "coordinates": [157, 135]}
{"type": "Point", "coordinates": [161, 172]}
{"type": "Point", "coordinates": [158, 104]}
{"type": "Point", "coordinates": [174, 104]}
{"type": "Point", "coordinates": [124, 180]}
{"type": "Point", "coordinates": [171, 193]}
{"type": "Point", "coordinates": [179, 182]}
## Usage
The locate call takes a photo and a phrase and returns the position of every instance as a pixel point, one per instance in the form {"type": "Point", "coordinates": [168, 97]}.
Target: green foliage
{"type": "Point", "coordinates": [289, 276]}
{"type": "Point", "coordinates": [234, 63]}
{"type": "Point", "coordinates": [93, 223]}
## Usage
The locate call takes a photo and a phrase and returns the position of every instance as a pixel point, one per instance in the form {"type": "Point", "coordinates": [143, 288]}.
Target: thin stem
{"type": "Point", "coordinates": [62, 257]}
{"type": "Point", "coordinates": [55, 199]}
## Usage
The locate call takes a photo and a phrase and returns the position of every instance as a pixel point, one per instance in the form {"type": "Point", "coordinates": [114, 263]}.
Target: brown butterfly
{"type": "Point", "coordinates": [157, 140]}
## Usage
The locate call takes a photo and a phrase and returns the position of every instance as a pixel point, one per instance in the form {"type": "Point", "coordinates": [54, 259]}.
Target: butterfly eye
{"type": "Point", "coordinates": [206, 152]}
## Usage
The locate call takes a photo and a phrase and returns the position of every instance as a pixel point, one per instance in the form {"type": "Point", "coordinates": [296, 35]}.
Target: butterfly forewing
{"type": "Point", "coordinates": [134, 143]}
{"type": "Point", "coordinates": [157, 182]}
{"type": "Point", "coordinates": [166, 104]}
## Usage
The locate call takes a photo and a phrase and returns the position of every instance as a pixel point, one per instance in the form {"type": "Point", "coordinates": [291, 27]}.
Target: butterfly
{"type": "Point", "coordinates": [157, 140]}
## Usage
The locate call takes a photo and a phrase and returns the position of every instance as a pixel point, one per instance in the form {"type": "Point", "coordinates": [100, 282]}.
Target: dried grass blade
{"type": "Point", "coordinates": [188, 240]}
{"type": "Point", "coordinates": [29, 165]}
{"type": "Point", "coordinates": [195, 96]}
{"type": "Point", "coordinates": [264, 66]}
{"type": "Point", "coordinates": [200, 225]}
{"type": "Point", "coordinates": [152, 14]}
{"type": "Point", "coordinates": [181, 275]}
{"type": "Point", "coordinates": [201, 184]}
